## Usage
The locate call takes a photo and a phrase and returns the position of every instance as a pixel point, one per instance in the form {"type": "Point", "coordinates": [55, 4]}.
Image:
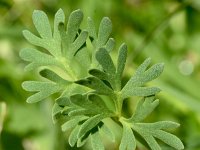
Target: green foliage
{"type": "Point", "coordinates": [88, 84]}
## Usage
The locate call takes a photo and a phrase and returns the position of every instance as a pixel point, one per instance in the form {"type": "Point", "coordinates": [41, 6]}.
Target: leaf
{"type": "Point", "coordinates": [44, 89]}
{"type": "Point", "coordinates": [133, 86]}
{"type": "Point", "coordinates": [59, 17]}
{"type": "Point", "coordinates": [48, 74]}
{"type": "Point", "coordinates": [96, 141]}
{"type": "Point", "coordinates": [89, 124]}
{"type": "Point", "coordinates": [91, 28]}
{"type": "Point", "coordinates": [150, 130]}
{"type": "Point", "coordinates": [72, 123]}
{"type": "Point", "coordinates": [96, 84]}
{"type": "Point", "coordinates": [128, 141]}
{"type": "Point", "coordinates": [140, 91]}
{"type": "Point", "coordinates": [73, 136]}
{"type": "Point", "coordinates": [144, 107]}
{"type": "Point", "coordinates": [121, 61]}
{"type": "Point", "coordinates": [105, 29]}
{"type": "Point", "coordinates": [37, 58]}
{"type": "Point", "coordinates": [56, 112]}
{"type": "Point", "coordinates": [107, 131]}
{"type": "Point", "coordinates": [63, 101]}
{"type": "Point", "coordinates": [73, 25]}
{"type": "Point", "coordinates": [110, 44]}
{"type": "Point", "coordinates": [43, 27]}
{"type": "Point", "coordinates": [98, 102]}
{"type": "Point", "coordinates": [105, 61]}
{"type": "Point", "coordinates": [99, 74]}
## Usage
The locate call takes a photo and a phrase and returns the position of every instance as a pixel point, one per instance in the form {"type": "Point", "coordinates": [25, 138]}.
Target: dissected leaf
{"type": "Point", "coordinates": [149, 131]}
{"type": "Point", "coordinates": [43, 27]}
{"type": "Point", "coordinates": [128, 141]}
{"type": "Point", "coordinates": [107, 131]}
{"type": "Point", "coordinates": [121, 62]}
{"type": "Point", "coordinates": [96, 84]}
{"type": "Point", "coordinates": [89, 124]}
{"type": "Point", "coordinates": [73, 122]}
{"type": "Point", "coordinates": [134, 85]}
{"type": "Point", "coordinates": [83, 106]}
{"type": "Point", "coordinates": [73, 138]}
{"type": "Point", "coordinates": [37, 58]}
{"type": "Point", "coordinates": [52, 76]}
{"type": "Point", "coordinates": [105, 29]}
{"type": "Point", "coordinates": [105, 61]}
{"type": "Point", "coordinates": [144, 107]}
{"type": "Point", "coordinates": [44, 89]}
{"type": "Point", "coordinates": [97, 143]}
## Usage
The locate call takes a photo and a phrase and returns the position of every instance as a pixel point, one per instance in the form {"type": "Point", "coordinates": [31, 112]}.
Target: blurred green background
{"type": "Point", "coordinates": [166, 30]}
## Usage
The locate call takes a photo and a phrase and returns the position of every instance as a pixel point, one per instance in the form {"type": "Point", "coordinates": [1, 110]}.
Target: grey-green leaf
{"type": "Point", "coordinates": [110, 44]}
{"type": "Point", "coordinates": [59, 17]}
{"type": "Point", "coordinates": [121, 60]}
{"type": "Point", "coordinates": [96, 84]}
{"type": "Point", "coordinates": [105, 29]}
{"type": "Point", "coordinates": [96, 141]}
{"type": "Point", "coordinates": [37, 58]}
{"type": "Point", "coordinates": [73, 25]}
{"type": "Point", "coordinates": [52, 76]}
{"type": "Point", "coordinates": [105, 61]}
{"type": "Point", "coordinates": [72, 123]}
{"type": "Point", "coordinates": [90, 124]}
{"type": "Point", "coordinates": [73, 136]}
{"type": "Point", "coordinates": [91, 28]}
{"type": "Point", "coordinates": [139, 91]}
{"type": "Point", "coordinates": [128, 141]}
{"type": "Point", "coordinates": [107, 131]}
{"type": "Point", "coordinates": [44, 89]}
{"type": "Point", "coordinates": [144, 107]}
{"type": "Point", "coordinates": [42, 24]}
{"type": "Point", "coordinates": [169, 139]}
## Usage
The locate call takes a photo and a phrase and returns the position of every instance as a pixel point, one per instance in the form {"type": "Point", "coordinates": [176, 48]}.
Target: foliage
{"type": "Point", "coordinates": [78, 69]}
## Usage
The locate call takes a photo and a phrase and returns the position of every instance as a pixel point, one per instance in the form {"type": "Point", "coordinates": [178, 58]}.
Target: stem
{"type": "Point", "coordinates": [119, 103]}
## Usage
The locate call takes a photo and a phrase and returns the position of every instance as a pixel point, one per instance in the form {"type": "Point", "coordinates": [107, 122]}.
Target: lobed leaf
{"type": "Point", "coordinates": [73, 136]}
{"type": "Point", "coordinates": [96, 141]}
{"type": "Point", "coordinates": [72, 123]}
{"type": "Point", "coordinates": [169, 139]}
{"type": "Point", "coordinates": [122, 54]}
{"type": "Point", "coordinates": [59, 17]}
{"type": "Point", "coordinates": [128, 141]}
{"type": "Point", "coordinates": [44, 89]}
{"type": "Point", "coordinates": [149, 131]}
{"type": "Point", "coordinates": [105, 29]}
{"type": "Point", "coordinates": [105, 61]}
{"type": "Point", "coordinates": [37, 58]}
{"type": "Point", "coordinates": [96, 84]}
{"type": "Point", "coordinates": [139, 91]}
{"type": "Point", "coordinates": [90, 124]}
{"type": "Point", "coordinates": [43, 27]}
{"type": "Point", "coordinates": [73, 24]}
{"type": "Point", "coordinates": [52, 76]}
{"type": "Point", "coordinates": [107, 131]}
{"type": "Point", "coordinates": [110, 44]}
{"type": "Point", "coordinates": [144, 107]}
{"type": "Point", "coordinates": [91, 28]}
{"type": "Point", "coordinates": [133, 86]}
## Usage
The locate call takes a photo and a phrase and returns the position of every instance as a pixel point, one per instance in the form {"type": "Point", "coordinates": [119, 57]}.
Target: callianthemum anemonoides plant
{"type": "Point", "coordinates": [76, 64]}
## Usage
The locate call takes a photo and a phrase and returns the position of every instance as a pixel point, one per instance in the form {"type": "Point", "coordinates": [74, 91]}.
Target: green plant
{"type": "Point", "coordinates": [76, 64]}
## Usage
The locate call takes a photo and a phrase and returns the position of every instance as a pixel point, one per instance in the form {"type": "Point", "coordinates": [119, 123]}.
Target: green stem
{"type": "Point", "coordinates": [119, 103]}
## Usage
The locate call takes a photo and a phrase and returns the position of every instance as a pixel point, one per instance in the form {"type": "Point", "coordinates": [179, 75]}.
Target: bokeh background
{"type": "Point", "coordinates": [166, 30]}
